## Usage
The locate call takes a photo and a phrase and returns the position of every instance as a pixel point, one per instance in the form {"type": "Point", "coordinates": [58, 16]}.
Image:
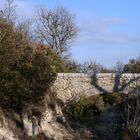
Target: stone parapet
{"type": "Point", "coordinates": [70, 85]}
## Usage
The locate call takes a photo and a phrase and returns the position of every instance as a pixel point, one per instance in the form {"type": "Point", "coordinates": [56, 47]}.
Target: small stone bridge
{"type": "Point", "coordinates": [69, 85]}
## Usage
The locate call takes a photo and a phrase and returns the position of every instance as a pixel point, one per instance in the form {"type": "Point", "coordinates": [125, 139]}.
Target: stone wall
{"type": "Point", "coordinates": [70, 85]}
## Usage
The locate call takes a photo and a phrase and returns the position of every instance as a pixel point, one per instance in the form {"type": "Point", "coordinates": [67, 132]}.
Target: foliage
{"type": "Point", "coordinates": [133, 66]}
{"type": "Point", "coordinates": [97, 103]}
{"type": "Point", "coordinates": [76, 109]}
{"type": "Point", "coordinates": [90, 107]}
{"type": "Point", "coordinates": [26, 73]}
{"type": "Point", "coordinates": [90, 112]}
{"type": "Point", "coordinates": [71, 66]}
{"type": "Point", "coordinates": [82, 111]}
{"type": "Point", "coordinates": [112, 98]}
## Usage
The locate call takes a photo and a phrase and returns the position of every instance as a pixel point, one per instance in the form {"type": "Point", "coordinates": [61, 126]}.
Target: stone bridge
{"type": "Point", "coordinates": [70, 85]}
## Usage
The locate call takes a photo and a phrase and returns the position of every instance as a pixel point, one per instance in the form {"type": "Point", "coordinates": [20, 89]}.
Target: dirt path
{"type": "Point", "coordinates": [108, 125]}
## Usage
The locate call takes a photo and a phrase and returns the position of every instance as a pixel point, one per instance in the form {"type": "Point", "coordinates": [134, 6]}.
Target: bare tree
{"type": "Point", "coordinates": [56, 28]}
{"type": "Point", "coordinates": [92, 67]}
{"type": "Point", "coordinates": [8, 12]}
{"type": "Point", "coordinates": [131, 114]}
{"type": "Point", "coordinates": [119, 67]}
{"type": "Point", "coordinates": [26, 27]}
{"type": "Point", "coordinates": [87, 67]}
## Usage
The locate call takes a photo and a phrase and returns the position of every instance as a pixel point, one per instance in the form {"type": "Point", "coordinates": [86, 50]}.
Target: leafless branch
{"type": "Point", "coordinates": [56, 28]}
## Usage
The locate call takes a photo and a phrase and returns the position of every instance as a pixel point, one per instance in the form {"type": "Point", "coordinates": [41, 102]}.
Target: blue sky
{"type": "Point", "coordinates": [109, 29]}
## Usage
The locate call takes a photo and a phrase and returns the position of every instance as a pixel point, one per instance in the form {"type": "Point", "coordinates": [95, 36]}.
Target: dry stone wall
{"type": "Point", "coordinates": [71, 85]}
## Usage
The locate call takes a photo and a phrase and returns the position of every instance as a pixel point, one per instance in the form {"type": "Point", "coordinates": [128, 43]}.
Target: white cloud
{"type": "Point", "coordinates": [103, 30]}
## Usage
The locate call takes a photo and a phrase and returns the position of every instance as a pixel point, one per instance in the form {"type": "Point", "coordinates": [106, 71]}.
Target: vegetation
{"type": "Point", "coordinates": [71, 66]}
{"type": "Point", "coordinates": [56, 27]}
{"type": "Point", "coordinates": [78, 110]}
{"type": "Point", "coordinates": [26, 73]}
{"type": "Point", "coordinates": [86, 67]}
{"type": "Point", "coordinates": [92, 112]}
{"type": "Point", "coordinates": [108, 115]}
{"type": "Point", "coordinates": [9, 11]}
{"type": "Point", "coordinates": [93, 67]}
{"type": "Point", "coordinates": [112, 98]}
{"type": "Point", "coordinates": [85, 110]}
{"type": "Point", "coordinates": [133, 66]}
{"type": "Point", "coordinates": [131, 115]}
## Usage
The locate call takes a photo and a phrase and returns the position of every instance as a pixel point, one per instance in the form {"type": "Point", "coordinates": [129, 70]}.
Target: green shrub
{"type": "Point", "coordinates": [26, 72]}
{"type": "Point", "coordinates": [76, 110]}
{"type": "Point", "coordinates": [91, 106]}
{"type": "Point", "coordinates": [96, 102]}
{"type": "Point", "coordinates": [82, 111]}
{"type": "Point", "coordinates": [112, 98]}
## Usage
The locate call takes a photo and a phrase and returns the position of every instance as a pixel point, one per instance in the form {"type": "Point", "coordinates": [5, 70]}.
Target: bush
{"type": "Point", "coordinates": [76, 110]}
{"type": "Point", "coordinates": [131, 115]}
{"type": "Point", "coordinates": [133, 66]}
{"type": "Point", "coordinates": [112, 98]}
{"type": "Point", "coordinates": [81, 111]}
{"type": "Point", "coordinates": [96, 102]}
{"type": "Point", "coordinates": [26, 72]}
{"type": "Point", "coordinates": [87, 110]}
